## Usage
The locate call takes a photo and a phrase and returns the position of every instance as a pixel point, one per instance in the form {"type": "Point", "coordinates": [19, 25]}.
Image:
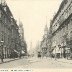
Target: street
{"type": "Point", "coordinates": [36, 63]}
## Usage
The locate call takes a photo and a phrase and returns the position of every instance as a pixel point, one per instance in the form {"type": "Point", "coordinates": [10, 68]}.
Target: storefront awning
{"type": "Point", "coordinates": [16, 51]}
{"type": "Point", "coordinates": [22, 52]}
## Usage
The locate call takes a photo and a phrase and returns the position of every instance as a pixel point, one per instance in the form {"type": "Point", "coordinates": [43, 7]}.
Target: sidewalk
{"type": "Point", "coordinates": [63, 60]}
{"type": "Point", "coordinates": [8, 60]}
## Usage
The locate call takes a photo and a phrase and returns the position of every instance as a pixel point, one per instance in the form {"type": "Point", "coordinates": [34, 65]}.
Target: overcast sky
{"type": "Point", "coordinates": [33, 14]}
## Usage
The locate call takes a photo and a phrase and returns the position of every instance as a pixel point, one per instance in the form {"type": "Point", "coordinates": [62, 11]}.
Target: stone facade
{"type": "Point", "coordinates": [5, 31]}
{"type": "Point", "coordinates": [23, 42]}
{"type": "Point", "coordinates": [61, 26]}
{"type": "Point", "coordinates": [44, 46]}
{"type": "Point", "coordinates": [9, 33]}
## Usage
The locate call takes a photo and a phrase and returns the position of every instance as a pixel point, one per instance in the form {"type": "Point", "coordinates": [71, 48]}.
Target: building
{"type": "Point", "coordinates": [49, 42]}
{"type": "Point", "coordinates": [15, 37]}
{"type": "Point", "coordinates": [5, 29]}
{"type": "Point", "coordinates": [23, 42]}
{"type": "Point", "coordinates": [61, 30]}
{"type": "Point", "coordinates": [10, 42]}
{"type": "Point", "coordinates": [43, 46]}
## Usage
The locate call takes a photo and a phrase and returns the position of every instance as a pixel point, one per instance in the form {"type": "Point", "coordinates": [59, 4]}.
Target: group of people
{"type": "Point", "coordinates": [61, 51]}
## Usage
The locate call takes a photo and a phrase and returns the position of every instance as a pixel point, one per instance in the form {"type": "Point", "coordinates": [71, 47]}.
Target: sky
{"type": "Point", "coordinates": [33, 14]}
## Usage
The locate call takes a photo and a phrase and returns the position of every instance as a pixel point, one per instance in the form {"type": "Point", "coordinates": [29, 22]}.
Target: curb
{"type": "Point", "coordinates": [64, 61]}
{"type": "Point", "coordinates": [9, 61]}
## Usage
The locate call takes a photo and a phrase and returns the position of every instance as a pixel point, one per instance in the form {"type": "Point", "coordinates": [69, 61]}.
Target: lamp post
{"type": "Point", "coordinates": [2, 51]}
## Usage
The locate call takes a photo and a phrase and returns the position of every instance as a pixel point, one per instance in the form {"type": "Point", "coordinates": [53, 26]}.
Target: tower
{"type": "Point", "coordinates": [21, 30]}
{"type": "Point", "coordinates": [46, 29]}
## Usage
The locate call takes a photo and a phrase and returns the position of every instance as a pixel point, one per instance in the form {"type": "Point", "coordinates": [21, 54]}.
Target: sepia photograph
{"type": "Point", "coordinates": [35, 35]}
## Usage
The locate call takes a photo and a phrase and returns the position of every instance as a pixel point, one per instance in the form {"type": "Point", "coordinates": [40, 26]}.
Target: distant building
{"type": "Point", "coordinates": [23, 42]}
{"type": "Point", "coordinates": [44, 47]}
{"type": "Point", "coordinates": [49, 42]}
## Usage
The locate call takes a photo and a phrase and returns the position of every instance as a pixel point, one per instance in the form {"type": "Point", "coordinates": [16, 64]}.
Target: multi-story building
{"type": "Point", "coordinates": [23, 42]}
{"type": "Point", "coordinates": [61, 29]}
{"type": "Point", "coordinates": [43, 46]}
{"type": "Point", "coordinates": [15, 37]}
{"type": "Point", "coordinates": [5, 30]}
{"type": "Point", "coordinates": [49, 42]}
{"type": "Point", "coordinates": [10, 42]}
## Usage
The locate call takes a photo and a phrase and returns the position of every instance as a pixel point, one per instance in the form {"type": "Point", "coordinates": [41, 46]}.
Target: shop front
{"type": "Point", "coordinates": [57, 52]}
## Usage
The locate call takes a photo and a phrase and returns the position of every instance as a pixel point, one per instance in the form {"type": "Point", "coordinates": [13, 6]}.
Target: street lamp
{"type": "Point", "coordinates": [2, 50]}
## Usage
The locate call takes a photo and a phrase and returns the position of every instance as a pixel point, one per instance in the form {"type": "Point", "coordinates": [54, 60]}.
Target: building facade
{"type": "Point", "coordinates": [5, 31]}
{"type": "Point", "coordinates": [61, 29]}
{"type": "Point", "coordinates": [23, 42]}
{"type": "Point", "coordinates": [10, 42]}
{"type": "Point", "coordinates": [44, 46]}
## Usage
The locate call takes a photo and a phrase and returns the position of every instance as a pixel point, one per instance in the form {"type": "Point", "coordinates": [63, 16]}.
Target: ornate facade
{"type": "Point", "coordinates": [61, 27]}
{"type": "Point", "coordinates": [44, 46]}
{"type": "Point", "coordinates": [9, 33]}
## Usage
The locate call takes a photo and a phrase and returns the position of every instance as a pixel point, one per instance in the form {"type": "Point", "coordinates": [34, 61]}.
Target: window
{"type": "Point", "coordinates": [66, 1]}
{"type": "Point", "coordinates": [66, 15]}
{"type": "Point", "coordinates": [71, 35]}
{"type": "Point", "coordinates": [0, 13]}
{"type": "Point", "coordinates": [5, 19]}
